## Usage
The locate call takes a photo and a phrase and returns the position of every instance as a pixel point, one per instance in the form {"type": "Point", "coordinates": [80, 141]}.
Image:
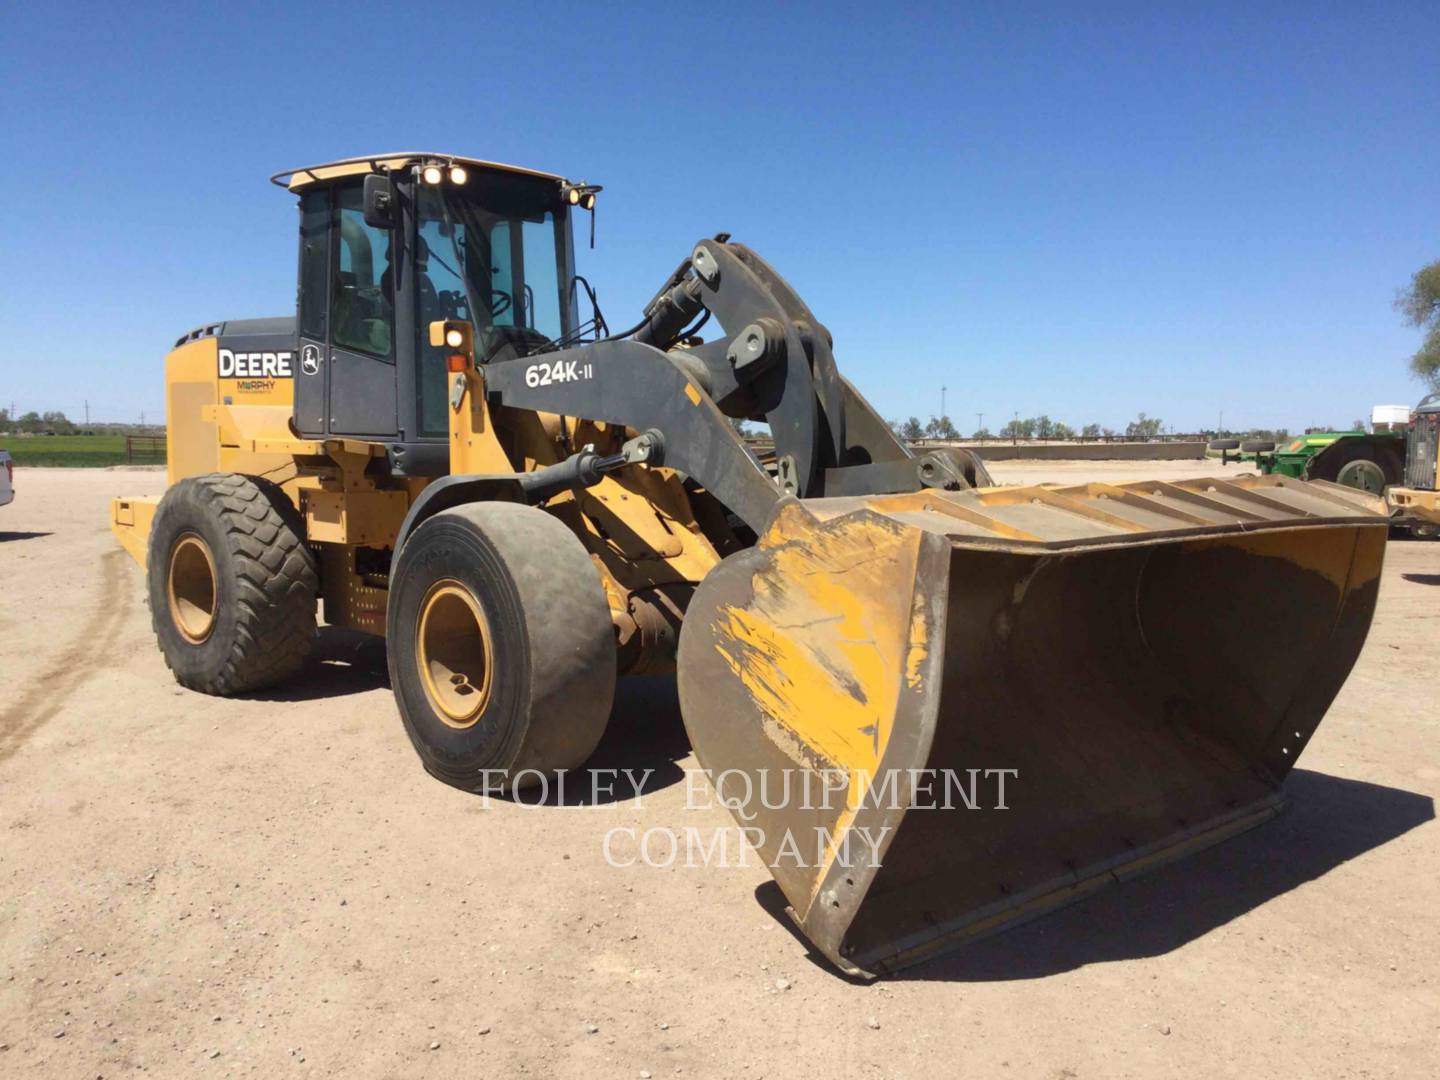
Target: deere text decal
{"type": "Point", "coordinates": [256, 365]}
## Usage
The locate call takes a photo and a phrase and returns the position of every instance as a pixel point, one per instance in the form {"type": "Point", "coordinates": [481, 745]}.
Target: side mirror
{"type": "Point", "coordinates": [379, 201]}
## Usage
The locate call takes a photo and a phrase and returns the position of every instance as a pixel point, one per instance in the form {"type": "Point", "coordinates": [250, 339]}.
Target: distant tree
{"type": "Point", "coordinates": [1027, 428]}
{"type": "Point", "coordinates": [940, 427]}
{"type": "Point", "coordinates": [1062, 431]}
{"type": "Point", "coordinates": [1044, 427]}
{"type": "Point", "coordinates": [981, 434]}
{"type": "Point", "coordinates": [1419, 304]}
{"type": "Point", "coordinates": [56, 421]}
{"type": "Point", "coordinates": [1357, 425]}
{"type": "Point", "coordinates": [1091, 431]}
{"type": "Point", "coordinates": [912, 429]}
{"type": "Point", "coordinates": [741, 428]}
{"type": "Point", "coordinates": [1144, 426]}
{"type": "Point", "coordinates": [1011, 430]}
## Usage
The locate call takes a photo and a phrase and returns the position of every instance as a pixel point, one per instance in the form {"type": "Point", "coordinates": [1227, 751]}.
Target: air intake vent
{"type": "Point", "coordinates": [1421, 453]}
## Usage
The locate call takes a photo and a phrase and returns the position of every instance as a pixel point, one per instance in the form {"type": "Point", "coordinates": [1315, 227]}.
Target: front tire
{"type": "Point", "coordinates": [232, 584]}
{"type": "Point", "coordinates": [501, 646]}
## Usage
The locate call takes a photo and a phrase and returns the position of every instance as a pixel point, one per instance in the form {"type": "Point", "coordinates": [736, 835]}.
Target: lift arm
{"type": "Point", "coordinates": [773, 361]}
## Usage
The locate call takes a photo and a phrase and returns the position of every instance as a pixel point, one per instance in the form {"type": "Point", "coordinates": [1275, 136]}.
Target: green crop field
{"type": "Point", "coordinates": [74, 450]}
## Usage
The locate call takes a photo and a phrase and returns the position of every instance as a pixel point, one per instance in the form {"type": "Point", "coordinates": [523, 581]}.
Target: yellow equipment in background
{"type": "Point", "coordinates": [440, 449]}
{"type": "Point", "coordinates": [1416, 504]}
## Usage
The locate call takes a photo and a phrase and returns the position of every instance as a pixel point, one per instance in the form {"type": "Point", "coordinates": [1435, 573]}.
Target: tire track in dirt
{"type": "Point", "coordinates": [49, 691]}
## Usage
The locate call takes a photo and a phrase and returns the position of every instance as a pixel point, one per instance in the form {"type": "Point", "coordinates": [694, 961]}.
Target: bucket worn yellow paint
{"type": "Point", "coordinates": [829, 637]}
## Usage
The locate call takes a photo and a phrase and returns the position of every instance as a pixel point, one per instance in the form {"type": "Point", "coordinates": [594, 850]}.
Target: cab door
{"type": "Point", "coordinates": [362, 383]}
{"type": "Point", "coordinates": [313, 309]}
{"type": "Point", "coordinates": [346, 381]}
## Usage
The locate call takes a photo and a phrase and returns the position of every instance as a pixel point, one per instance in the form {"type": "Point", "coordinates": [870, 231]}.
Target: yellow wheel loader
{"type": "Point", "coordinates": [525, 504]}
{"type": "Point", "coordinates": [1415, 505]}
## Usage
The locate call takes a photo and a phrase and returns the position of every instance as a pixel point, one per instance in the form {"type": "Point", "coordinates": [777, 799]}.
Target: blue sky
{"type": "Point", "coordinates": [1083, 210]}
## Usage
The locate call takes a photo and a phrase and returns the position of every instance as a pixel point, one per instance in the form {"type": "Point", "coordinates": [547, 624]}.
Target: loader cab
{"type": "Point", "coordinates": [449, 238]}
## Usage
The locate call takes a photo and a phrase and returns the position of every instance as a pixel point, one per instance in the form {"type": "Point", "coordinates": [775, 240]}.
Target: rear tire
{"type": "Point", "coordinates": [501, 646]}
{"type": "Point", "coordinates": [1392, 461]}
{"type": "Point", "coordinates": [232, 584]}
{"type": "Point", "coordinates": [1357, 463]}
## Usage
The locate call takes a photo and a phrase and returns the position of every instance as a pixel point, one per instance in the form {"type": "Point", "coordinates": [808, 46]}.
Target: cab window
{"type": "Point", "coordinates": [496, 244]}
{"type": "Point", "coordinates": [314, 262]}
{"type": "Point", "coordinates": [363, 301]}
{"type": "Point", "coordinates": [542, 294]}
{"type": "Point", "coordinates": [440, 294]}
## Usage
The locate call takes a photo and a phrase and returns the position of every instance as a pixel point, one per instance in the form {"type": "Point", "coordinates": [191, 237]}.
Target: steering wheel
{"type": "Point", "coordinates": [500, 302]}
{"type": "Point", "coordinates": [450, 304]}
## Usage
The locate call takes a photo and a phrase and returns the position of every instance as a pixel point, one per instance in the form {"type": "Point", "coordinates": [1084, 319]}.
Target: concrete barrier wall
{"type": "Point", "coordinates": [1100, 451]}
{"type": "Point", "coordinates": [1116, 451]}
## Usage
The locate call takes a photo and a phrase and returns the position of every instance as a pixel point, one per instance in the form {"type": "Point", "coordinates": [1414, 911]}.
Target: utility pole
{"type": "Point", "coordinates": [142, 419]}
{"type": "Point", "coordinates": [979, 421]}
{"type": "Point", "coordinates": [943, 388]}
{"type": "Point", "coordinates": [1015, 430]}
{"type": "Point", "coordinates": [1220, 426]}
{"type": "Point", "coordinates": [87, 412]}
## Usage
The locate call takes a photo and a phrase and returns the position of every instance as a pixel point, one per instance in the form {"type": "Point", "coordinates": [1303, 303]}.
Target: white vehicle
{"type": "Point", "coordinates": [7, 478]}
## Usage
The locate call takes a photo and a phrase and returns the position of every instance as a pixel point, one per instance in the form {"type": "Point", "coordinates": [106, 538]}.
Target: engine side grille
{"type": "Point", "coordinates": [1421, 453]}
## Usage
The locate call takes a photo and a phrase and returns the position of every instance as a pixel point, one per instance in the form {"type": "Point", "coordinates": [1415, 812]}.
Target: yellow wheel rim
{"type": "Point", "coordinates": [452, 647]}
{"type": "Point", "coordinates": [191, 588]}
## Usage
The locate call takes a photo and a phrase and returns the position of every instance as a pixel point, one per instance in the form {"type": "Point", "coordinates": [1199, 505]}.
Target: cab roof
{"type": "Point", "coordinates": [303, 177]}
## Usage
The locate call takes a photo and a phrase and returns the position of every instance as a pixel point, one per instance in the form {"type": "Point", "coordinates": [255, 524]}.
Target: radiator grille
{"type": "Point", "coordinates": [1421, 453]}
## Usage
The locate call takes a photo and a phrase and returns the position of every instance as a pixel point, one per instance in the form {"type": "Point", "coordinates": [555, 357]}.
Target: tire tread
{"type": "Point", "coordinates": [275, 579]}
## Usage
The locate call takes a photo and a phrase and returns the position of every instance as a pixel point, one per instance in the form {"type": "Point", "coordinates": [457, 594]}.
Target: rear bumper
{"type": "Point", "coordinates": [1414, 503]}
{"type": "Point", "coordinates": [130, 519]}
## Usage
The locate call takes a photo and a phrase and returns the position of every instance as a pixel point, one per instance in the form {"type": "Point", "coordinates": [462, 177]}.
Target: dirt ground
{"type": "Point", "coordinates": [272, 886]}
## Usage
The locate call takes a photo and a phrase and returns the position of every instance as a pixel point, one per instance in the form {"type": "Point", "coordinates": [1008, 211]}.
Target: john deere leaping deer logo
{"type": "Point", "coordinates": [310, 359]}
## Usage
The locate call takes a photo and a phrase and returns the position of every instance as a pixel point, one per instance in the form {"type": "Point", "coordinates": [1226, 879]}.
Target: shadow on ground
{"type": "Point", "coordinates": [342, 662]}
{"type": "Point", "coordinates": [1330, 821]}
{"type": "Point", "coordinates": [1422, 579]}
{"type": "Point", "coordinates": [643, 743]}
{"type": "Point", "coordinates": [6, 537]}
{"type": "Point", "coordinates": [645, 736]}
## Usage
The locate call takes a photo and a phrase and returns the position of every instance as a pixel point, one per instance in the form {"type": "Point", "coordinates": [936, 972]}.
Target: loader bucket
{"type": "Point", "coordinates": [1139, 665]}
